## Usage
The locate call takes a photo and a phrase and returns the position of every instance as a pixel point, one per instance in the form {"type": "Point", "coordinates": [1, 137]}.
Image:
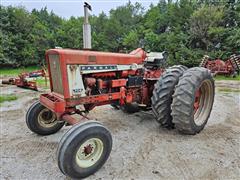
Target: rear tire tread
{"type": "Point", "coordinates": [183, 99]}
{"type": "Point", "coordinates": [162, 95]}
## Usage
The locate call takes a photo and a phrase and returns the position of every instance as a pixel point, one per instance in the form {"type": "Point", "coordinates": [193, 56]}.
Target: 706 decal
{"type": "Point", "coordinates": [77, 90]}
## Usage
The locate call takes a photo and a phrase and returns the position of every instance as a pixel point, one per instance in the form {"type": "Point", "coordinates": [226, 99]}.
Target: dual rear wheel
{"type": "Point", "coordinates": [183, 98]}
{"type": "Point", "coordinates": [162, 95]}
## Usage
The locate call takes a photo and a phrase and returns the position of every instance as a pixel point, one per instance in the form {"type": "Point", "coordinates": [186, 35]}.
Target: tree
{"type": "Point", "coordinates": [202, 20]}
{"type": "Point", "coordinates": [131, 40]}
{"type": "Point", "coordinates": [185, 29]}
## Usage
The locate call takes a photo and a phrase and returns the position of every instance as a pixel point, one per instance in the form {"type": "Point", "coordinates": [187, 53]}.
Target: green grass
{"type": "Point", "coordinates": [42, 83]}
{"type": "Point", "coordinates": [228, 90]}
{"type": "Point", "coordinates": [4, 72]}
{"type": "Point", "coordinates": [10, 97]}
{"type": "Point", "coordinates": [219, 77]}
{"type": "Point", "coordinates": [15, 72]}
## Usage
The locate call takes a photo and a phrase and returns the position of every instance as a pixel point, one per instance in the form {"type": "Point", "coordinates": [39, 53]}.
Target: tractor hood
{"type": "Point", "coordinates": [70, 56]}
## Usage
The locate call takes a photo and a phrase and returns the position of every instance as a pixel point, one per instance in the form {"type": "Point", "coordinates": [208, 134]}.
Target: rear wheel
{"type": "Point", "coordinates": [84, 149]}
{"type": "Point", "coordinates": [41, 120]}
{"type": "Point", "coordinates": [162, 95]}
{"type": "Point", "coordinates": [193, 100]}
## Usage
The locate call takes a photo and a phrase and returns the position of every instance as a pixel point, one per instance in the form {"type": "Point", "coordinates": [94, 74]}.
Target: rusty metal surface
{"type": "Point", "coordinates": [56, 74]}
{"type": "Point", "coordinates": [71, 120]}
{"type": "Point", "coordinates": [227, 67]}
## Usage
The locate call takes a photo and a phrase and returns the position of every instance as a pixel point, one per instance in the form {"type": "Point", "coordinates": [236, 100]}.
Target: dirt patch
{"type": "Point", "coordinates": [141, 149]}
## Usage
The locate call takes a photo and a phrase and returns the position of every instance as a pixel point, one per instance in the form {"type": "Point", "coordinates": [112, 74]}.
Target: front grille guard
{"type": "Point", "coordinates": [53, 103]}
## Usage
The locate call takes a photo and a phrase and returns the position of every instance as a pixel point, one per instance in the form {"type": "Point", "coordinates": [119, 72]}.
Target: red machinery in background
{"type": "Point", "coordinates": [230, 67]}
{"type": "Point", "coordinates": [25, 80]}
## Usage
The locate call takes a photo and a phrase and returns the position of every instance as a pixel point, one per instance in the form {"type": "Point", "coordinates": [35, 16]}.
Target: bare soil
{"type": "Point", "coordinates": [141, 149]}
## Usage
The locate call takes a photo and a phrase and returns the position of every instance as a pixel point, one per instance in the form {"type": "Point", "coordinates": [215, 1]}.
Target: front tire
{"type": "Point", "coordinates": [193, 100]}
{"type": "Point", "coordinates": [84, 149]}
{"type": "Point", "coordinates": [41, 120]}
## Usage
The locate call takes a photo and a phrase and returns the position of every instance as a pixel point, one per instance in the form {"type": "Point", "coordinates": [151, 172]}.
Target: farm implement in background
{"type": "Point", "coordinates": [27, 79]}
{"type": "Point", "coordinates": [230, 67]}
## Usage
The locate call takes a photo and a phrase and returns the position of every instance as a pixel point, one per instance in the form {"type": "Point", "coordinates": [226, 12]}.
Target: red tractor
{"type": "Point", "coordinates": [81, 80]}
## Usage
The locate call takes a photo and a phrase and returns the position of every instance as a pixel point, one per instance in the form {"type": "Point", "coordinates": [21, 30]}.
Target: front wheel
{"type": "Point", "coordinates": [84, 149]}
{"type": "Point", "coordinates": [41, 120]}
{"type": "Point", "coordinates": [193, 100]}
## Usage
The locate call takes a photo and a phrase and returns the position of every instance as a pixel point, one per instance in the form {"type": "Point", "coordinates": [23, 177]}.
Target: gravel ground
{"type": "Point", "coordinates": [141, 149]}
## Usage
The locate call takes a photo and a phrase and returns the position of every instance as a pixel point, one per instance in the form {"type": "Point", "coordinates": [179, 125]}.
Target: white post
{"type": "Point", "coordinates": [86, 28]}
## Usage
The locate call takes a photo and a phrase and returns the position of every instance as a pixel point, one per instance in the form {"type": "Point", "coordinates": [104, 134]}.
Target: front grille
{"type": "Point", "coordinates": [56, 74]}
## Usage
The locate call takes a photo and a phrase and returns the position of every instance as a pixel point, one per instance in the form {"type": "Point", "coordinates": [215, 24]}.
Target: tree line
{"type": "Point", "coordinates": [186, 29]}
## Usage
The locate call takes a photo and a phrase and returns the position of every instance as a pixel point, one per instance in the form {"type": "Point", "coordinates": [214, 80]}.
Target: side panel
{"type": "Point", "coordinates": [76, 87]}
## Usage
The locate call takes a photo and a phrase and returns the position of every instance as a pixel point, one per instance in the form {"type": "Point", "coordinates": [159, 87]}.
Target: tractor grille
{"type": "Point", "coordinates": [56, 74]}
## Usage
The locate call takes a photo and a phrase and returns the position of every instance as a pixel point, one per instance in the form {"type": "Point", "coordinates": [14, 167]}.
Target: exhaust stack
{"type": "Point", "coordinates": [87, 27]}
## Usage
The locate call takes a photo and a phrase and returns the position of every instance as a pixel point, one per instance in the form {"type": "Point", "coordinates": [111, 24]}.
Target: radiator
{"type": "Point", "coordinates": [56, 75]}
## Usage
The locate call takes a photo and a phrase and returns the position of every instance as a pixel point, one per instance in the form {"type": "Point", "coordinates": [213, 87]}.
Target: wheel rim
{"type": "Point", "coordinates": [203, 102]}
{"type": "Point", "coordinates": [89, 153]}
{"type": "Point", "coordinates": [197, 100]}
{"type": "Point", "coordinates": [47, 118]}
